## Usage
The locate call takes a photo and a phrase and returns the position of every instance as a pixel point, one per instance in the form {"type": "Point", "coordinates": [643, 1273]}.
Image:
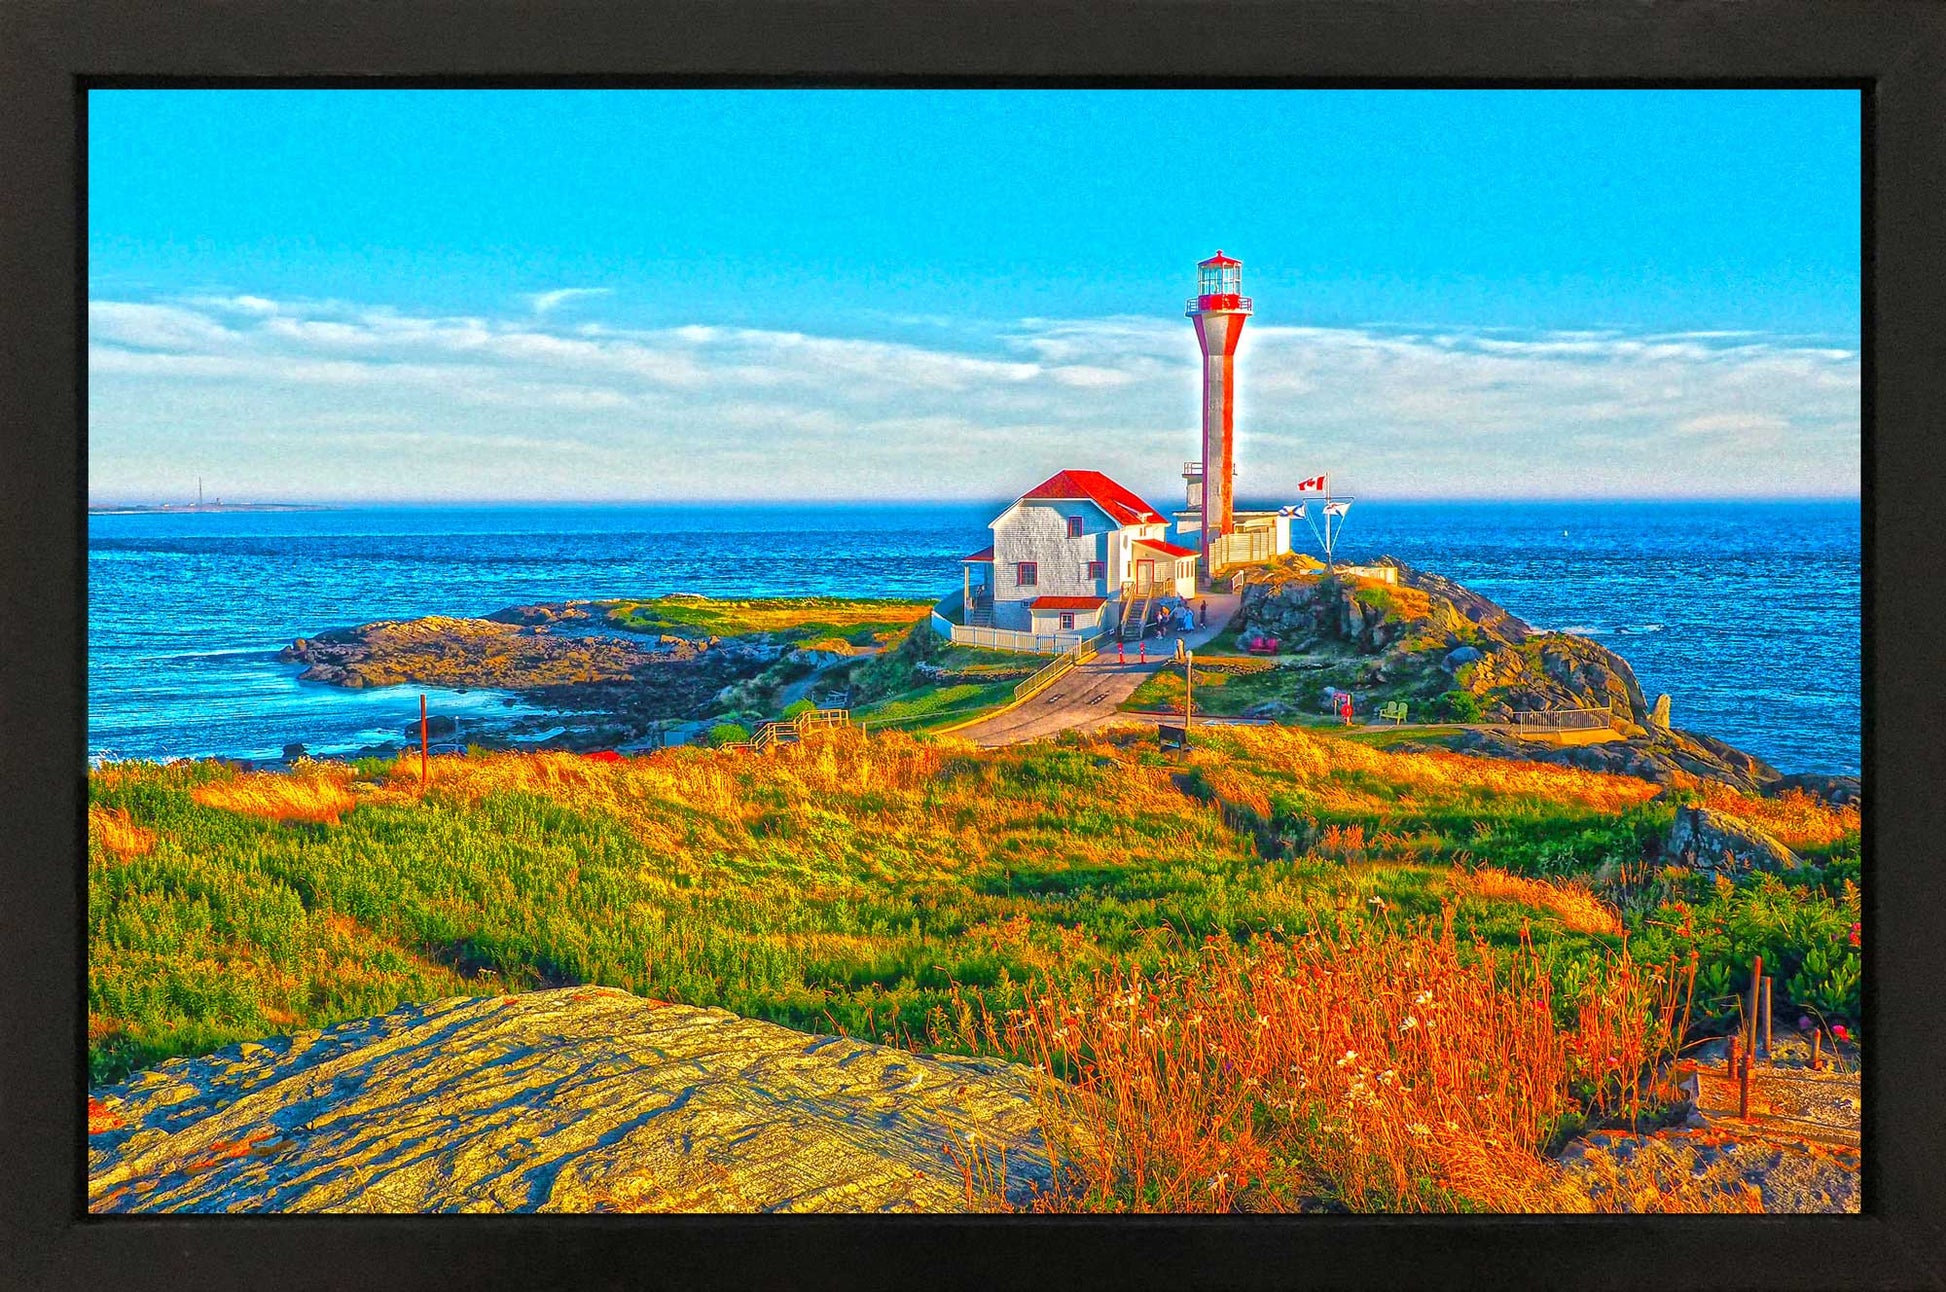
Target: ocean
{"type": "Point", "coordinates": [1747, 614]}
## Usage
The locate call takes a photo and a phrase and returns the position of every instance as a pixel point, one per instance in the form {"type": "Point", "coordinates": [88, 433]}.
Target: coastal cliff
{"type": "Point", "coordinates": [1454, 655]}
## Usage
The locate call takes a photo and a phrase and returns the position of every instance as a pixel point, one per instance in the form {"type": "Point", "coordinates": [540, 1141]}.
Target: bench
{"type": "Point", "coordinates": [1395, 710]}
{"type": "Point", "coordinates": [1169, 737]}
{"type": "Point", "coordinates": [1261, 645]}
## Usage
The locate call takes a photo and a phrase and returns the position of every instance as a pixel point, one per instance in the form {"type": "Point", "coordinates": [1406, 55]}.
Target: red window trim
{"type": "Point", "coordinates": [1067, 619]}
{"type": "Point", "coordinates": [1027, 574]}
{"type": "Point", "coordinates": [1097, 570]}
{"type": "Point", "coordinates": [1074, 527]}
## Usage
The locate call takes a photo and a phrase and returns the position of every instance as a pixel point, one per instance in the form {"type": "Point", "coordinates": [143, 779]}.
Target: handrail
{"type": "Point", "coordinates": [768, 734]}
{"type": "Point", "coordinates": [1054, 671]}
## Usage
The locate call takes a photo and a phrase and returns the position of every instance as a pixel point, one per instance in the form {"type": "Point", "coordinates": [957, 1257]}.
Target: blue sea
{"type": "Point", "coordinates": [1747, 614]}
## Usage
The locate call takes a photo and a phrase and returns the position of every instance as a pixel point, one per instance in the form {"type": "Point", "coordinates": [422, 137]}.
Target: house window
{"type": "Point", "coordinates": [1026, 574]}
{"type": "Point", "coordinates": [1074, 527]}
{"type": "Point", "coordinates": [1067, 619]}
{"type": "Point", "coordinates": [1097, 569]}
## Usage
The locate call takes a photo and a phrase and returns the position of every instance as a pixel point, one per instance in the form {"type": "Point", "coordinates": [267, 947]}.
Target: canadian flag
{"type": "Point", "coordinates": [1315, 482]}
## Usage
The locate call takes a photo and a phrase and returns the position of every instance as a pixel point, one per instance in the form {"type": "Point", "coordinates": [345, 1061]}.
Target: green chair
{"type": "Point", "coordinates": [1395, 710]}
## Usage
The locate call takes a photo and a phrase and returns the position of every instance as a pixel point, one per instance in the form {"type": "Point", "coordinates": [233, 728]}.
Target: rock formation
{"type": "Point", "coordinates": [576, 1100]}
{"type": "Point", "coordinates": [1711, 841]}
{"type": "Point", "coordinates": [1425, 638]}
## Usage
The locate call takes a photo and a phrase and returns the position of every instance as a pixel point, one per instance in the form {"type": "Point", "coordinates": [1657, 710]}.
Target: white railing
{"type": "Point", "coordinates": [1054, 672]}
{"type": "Point", "coordinates": [1020, 643]}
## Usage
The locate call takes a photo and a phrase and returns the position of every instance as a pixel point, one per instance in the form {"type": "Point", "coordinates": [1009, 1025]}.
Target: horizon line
{"type": "Point", "coordinates": [783, 501]}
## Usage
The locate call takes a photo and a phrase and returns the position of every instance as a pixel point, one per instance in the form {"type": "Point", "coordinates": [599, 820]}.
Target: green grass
{"type": "Point", "coordinates": [843, 884]}
{"type": "Point", "coordinates": [857, 621]}
{"type": "Point", "coordinates": [1384, 737]}
{"type": "Point", "coordinates": [1226, 695]}
{"type": "Point", "coordinates": [928, 708]}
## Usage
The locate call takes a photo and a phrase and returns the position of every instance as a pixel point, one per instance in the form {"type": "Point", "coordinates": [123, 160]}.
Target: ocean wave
{"type": "Point", "coordinates": [1638, 629]}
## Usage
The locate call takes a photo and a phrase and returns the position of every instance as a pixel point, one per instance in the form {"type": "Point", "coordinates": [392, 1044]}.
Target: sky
{"type": "Point", "coordinates": [658, 295]}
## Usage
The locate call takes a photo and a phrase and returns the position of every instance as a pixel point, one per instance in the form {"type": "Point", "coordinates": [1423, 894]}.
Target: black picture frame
{"type": "Point", "coordinates": [1895, 51]}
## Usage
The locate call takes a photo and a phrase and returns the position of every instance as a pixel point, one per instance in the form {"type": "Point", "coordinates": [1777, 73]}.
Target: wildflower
{"type": "Point", "coordinates": [1350, 1056]}
{"type": "Point", "coordinates": [1388, 1076]}
{"type": "Point", "coordinates": [1803, 1022]}
{"type": "Point", "coordinates": [1262, 1021]}
{"type": "Point", "coordinates": [1423, 998]}
{"type": "Point", "coordinates": [1419, 1128]}
{"type": "Point", "coordinates": [1854, 934]}
{"type": "Point", "coordinates": [1377, 902]}
{"type": "Point", "coordinates": [1838, 1031]}
{"type": "Point", "coordinates": [1216, 1181]}
{"type": "Point", "coordinates": [1409, 1024]}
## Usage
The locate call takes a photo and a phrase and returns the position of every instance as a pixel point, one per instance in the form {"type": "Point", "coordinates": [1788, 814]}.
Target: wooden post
{"type": "Point", "coordinates": [1817, 1048]}
{"type": "Point", "coordinates": [1689, 998]}
{"type": "Point", "coordinates": [1750, 1015]}
{"type": "Point", "coordinates": [1188, 691]}
{"type": "Point", "coordinates": [422, 740]}
{"type": "Point", "coordinates": [1768, 1052]}
{"type": "Point", "coordinates": [1730, 1060]}
{"type": "Point", "coordinates": [1743, 1090]}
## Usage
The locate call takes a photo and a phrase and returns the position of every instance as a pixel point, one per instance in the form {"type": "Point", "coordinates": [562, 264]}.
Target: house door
{"type": "Point", "coordinates": [1144, 572]}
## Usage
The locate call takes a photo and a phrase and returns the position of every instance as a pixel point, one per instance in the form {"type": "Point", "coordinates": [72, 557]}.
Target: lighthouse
{"type": "Point", "coordinates": [1218, 309]}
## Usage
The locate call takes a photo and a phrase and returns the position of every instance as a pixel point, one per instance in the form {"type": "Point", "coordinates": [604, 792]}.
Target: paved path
{"type": "Point", "coordinates": [1091, 695]}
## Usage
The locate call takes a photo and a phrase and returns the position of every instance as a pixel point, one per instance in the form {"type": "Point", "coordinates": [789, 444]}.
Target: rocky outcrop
{"type": "Point", "coordinates": [583, 1099]}
{"type": "Point", "coordinates": [1714, 842]}
{"type": "Point", "coordinates": [1426, 636]}
{"type": "Point", "coordinates": [444, 651]}
{"type": "Point", "coordinates": [1839, 791]}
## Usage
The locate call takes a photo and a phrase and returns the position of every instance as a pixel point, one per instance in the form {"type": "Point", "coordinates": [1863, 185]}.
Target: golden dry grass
{"type": "Point", "coordinates": [1795, 820]}
{"type": "Point", "coordinates": [1574, 904]}
{"type": "Point", "coordinates": [1372, 1067]}
{"type": "Point", "coordinates": [318, 792]}
{"type": "Point", "coordinates": [1320, 764]}
{"type": "Point", "coordinates": [117, 834]}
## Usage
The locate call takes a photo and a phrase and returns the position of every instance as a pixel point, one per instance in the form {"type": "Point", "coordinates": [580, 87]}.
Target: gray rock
{"type": "Point", "coordinates": [1711, 841]}
{"type": "Point", "coordinates": [1460, 656]}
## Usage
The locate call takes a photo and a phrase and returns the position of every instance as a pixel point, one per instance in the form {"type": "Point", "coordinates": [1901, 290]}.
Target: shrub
{"type": "Point", "coordinates": [1457, 706]}
{"type": "Point", "coordinates": [728, 733]}
{"type": "Point", "coordinates": [797, 708]}
{"type": "Point", "coordinates": [1363, 1066]}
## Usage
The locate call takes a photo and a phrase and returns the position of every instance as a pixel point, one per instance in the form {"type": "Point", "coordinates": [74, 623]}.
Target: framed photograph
{"type": "Point", "coordinates": [842, 654]}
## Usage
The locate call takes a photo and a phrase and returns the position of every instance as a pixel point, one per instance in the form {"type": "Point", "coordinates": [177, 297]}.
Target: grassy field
{"type": "Point", "coordinates": [1226, 687]}
{"type": "Point", "coordinates": [802, 620]}
{"type": "Point", "coordinates": [898, 888]}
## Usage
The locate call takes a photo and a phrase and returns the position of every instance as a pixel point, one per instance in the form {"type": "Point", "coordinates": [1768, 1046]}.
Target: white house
{"type": "Point", "coordinates": [1070, 558]}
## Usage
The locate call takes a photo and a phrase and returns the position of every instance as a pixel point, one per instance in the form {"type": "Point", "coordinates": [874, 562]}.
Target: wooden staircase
{"type": "Point", "coordinates": [1136, 617]}
{"type": "Point", "coordinates": [791, 731]}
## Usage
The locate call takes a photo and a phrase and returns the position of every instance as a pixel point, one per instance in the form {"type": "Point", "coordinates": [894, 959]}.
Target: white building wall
{"type": "Point", "coordinates": [1037, 530]}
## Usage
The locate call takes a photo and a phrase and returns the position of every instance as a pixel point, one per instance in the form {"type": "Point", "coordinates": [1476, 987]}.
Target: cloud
{"type": "Point", "coordinates": [268, 394]}
{"type": "Point", "coordinates": [545, 302]}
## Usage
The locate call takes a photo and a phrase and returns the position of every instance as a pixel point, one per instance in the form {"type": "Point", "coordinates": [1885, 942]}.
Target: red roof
{"type": "Point", "coordinates": [1218, 259]}
{"type": "Point", "coordinates": [1121, 505]}
{"type": "Point", "coordinates": [984, 554]}
{"type": "Point", "coordinates": [1167, 549]}
{"type": "Point", "coordinates": [1067, 603]}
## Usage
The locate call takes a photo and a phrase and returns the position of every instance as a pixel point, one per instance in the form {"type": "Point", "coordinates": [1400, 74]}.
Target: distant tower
{"type": "Point", "coordinates": [1219, 309]}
